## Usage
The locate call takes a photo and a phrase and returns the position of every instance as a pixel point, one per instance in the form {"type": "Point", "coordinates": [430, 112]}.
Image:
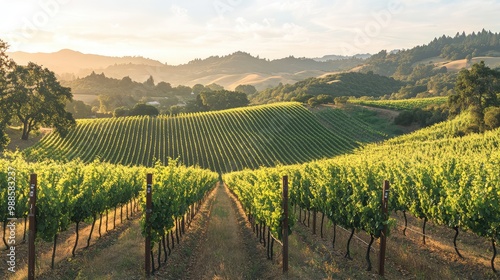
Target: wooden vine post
{"type": "Point", "coordinates": [149, 210]}
{"type": "Point", "coordinates": [383, 235]}
{"type": "Point", "coordinates": [285, 224]}
{"type": "Point", "coordinates": [32, 227]}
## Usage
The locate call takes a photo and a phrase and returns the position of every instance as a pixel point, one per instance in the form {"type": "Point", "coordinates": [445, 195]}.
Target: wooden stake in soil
{"type": "Point", "coordinates": [383, 235]}
{"type": "Point", "coordinates": [147, 260]}
{"type": "Point", "coordinates": [32, 228]}
{"type": "Point", "coordinates": [285, 224]}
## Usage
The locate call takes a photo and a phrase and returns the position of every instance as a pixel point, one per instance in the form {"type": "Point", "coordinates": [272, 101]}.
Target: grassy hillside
{"type": "Point", "coordinates": [403, 104]}
{"type": "Point", "coordinates": [223, 141]}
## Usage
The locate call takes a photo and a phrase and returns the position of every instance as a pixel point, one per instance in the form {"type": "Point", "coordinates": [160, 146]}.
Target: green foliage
{"type": "Point", "coordinates": [78, 109]}
{"type": "Point", "coordinates": [143, 110]}
{"type": "Point", "coordinates": [6, 66]}
{"type": "Point", "coordinates": [174, 189]}
{"type": "Point", "coordinates": [341, 100]}
{"type": "Point", "coordinates": [451, 181]}
{"type": "Point", "coordinates": [247, 89]}
{"type": "Point", "coordinates": [344, 84]}
{"type": "Point", "coordinates": [404, 118]}
{"type": "Point", "coordinates": [349, 127]}
{"type": "Point", "coordinates": [476, 90]}
{"type": "Point", "coordinates": [214, 87]}
{"type": "Point", "coordinates": [213, 100]}
{"type": "Point", "coordinates": [73, 192]}
{"type": "Point", "coordinates": [401, 105]}
{"type": "Point", "coordinates": [260, 194]}
{"type": "Point", "coordinates": [36, 98]}
{"type": "Point", "coordinates": [477, 87]}
{"type": "Point", "coordinates": [121, 112]}
{"type": "Point", "coordinates": [400, 64]}
{"type": "Point", "coordinates": [492, 117]}
{"type": "Point", "coordinates": [222, 141]}
{"type": "Point", "coordinates": [125, 92]}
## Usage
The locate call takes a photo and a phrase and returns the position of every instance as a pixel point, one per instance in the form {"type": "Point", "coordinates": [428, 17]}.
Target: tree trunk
{"type": "Point", "coordinates": [494, 255]}
{"type": "Point", "coordinates": [100, 224]}
{"type": "Point", "coordinates": [455, 242]}
{"type": "Point", "coordinates": [423, 229]}
{"type": "Point", "coordinates": [106, 220]}
{"type": "Point", "coordinates": [91, 230]}
{"type": "Point", "coordinates": [322, 220]}
{"type": "Point", "coordinates": [76, 240]}
{"type": "Point", "coordinates": [4, 229]}
{"type": "Point", "coordinates": [348, 254]}
{"type": "Point", "coordinates": [164, 248]}
{"type": "Point", "coordinates": [406, 222]}
{"type": "Point", "coordinates": [368, 253]}
{"type": "Point", "coordinates": [54, 251]}
{"type": "Point", "coordinates": [26, 131]}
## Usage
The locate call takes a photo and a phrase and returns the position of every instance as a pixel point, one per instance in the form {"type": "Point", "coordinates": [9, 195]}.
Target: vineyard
{"type": "Point", "coordinates": [436, 176]}
{"type": "Point", "coordinates": [221, 141]}
{"type": "Point", "coordinates": [404, 104]}
{"type": "Point", "coordinates": [454, 182]}
{"type": "Point", "coordinates": [74, 193]}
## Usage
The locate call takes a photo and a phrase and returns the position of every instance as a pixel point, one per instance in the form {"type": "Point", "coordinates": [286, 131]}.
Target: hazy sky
{"type": "Point", "coordinates": [178, 31]}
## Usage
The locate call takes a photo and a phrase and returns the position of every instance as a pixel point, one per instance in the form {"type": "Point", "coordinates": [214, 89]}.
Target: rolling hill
{"type": "Point", "coordinates": [222, 141]}
{"type": "Point", "coordinates": [229, 71]}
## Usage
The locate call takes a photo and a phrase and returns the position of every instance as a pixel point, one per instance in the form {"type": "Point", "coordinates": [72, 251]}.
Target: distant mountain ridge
{"type": "Point", "coordinates": [70, 61]}
{"type": "Point", "coordinates": [229, 71]}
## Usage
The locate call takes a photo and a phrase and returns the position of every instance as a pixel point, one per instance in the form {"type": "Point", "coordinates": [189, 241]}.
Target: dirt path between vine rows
{"type": "Point", "coordinates": [227, 249]}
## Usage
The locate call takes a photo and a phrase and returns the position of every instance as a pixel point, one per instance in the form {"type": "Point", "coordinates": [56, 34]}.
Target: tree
{"type": "Point", "coordinates": [143, 110]}
{"type": "Point", "coordinates": [247, 89]}
{"type": "Point", "coordinates": [492, 117]}
{"type": "Point", "coordinates": [6, 66]}
{"type": "Point", "coordinates": [79, 109]}
{"type": "Point", "coordinates": [198, 88]}
{"type": "Point", "coordinates": [104, 103]}
{"type": "Point", "coordinates": [476, 88]}
{"type": "Point", "coordinates": [121, 112]}
{"type": "Point", "coordinates": [214, 87]}
{"type": "Point", "coordinates": [150, 82]}
{"type": "Point", "coordinates": [36, 98]}
{"type": "Point", "coordinates": [223, 99]}
{"type": "Point", "coordinates": [163, 88]}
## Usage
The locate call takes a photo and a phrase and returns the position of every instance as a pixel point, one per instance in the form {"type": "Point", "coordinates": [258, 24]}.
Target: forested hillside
{"type": "Point", "coordinates": [335, 85]}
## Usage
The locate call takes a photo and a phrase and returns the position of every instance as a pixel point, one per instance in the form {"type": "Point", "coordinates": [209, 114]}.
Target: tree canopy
{"type": "Point", "coordinates": [5, 67]}
{"type": "Point", "coordinates": [476, 89]}
{"type": "Point", "coordinates": [36, 98]}
{"type": "Point", "coordinates": [143, 110]}
{"type": "Point", "coordinates": [223, 99]}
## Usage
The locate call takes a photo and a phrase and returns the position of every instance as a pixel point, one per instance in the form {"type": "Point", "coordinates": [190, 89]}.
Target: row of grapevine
{"type": "Point", "coordinates": [454, 182]}
{"type": "Point", "coordinates": [357, 129]}
{"type": "Point", "coordinates": [68, 193]}
{"type": "Point", "coordinates": [403, 104]}
{"type": "Point", "coordinates": [177, 192]}
{"type": "Point", "coordinates": [74, 192]}
{"type": "Point", "coordinates": [222, 141]}
{"type": "Point", "coordinates": [347, 193]}
{"type": "Point", "coordinates": [175, 189]}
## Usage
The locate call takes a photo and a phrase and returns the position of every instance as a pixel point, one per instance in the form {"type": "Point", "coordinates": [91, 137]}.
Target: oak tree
{"type": "Point", "coordinates": [36, 98]}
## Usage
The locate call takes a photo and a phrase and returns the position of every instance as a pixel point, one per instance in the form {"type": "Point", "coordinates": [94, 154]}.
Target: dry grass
{"type": "Point", "coordinates": [15, 133]}
{"type": "Point", "coordinates": [457, 65]}
{"type": "Point", "coordinates": [64, 263]}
